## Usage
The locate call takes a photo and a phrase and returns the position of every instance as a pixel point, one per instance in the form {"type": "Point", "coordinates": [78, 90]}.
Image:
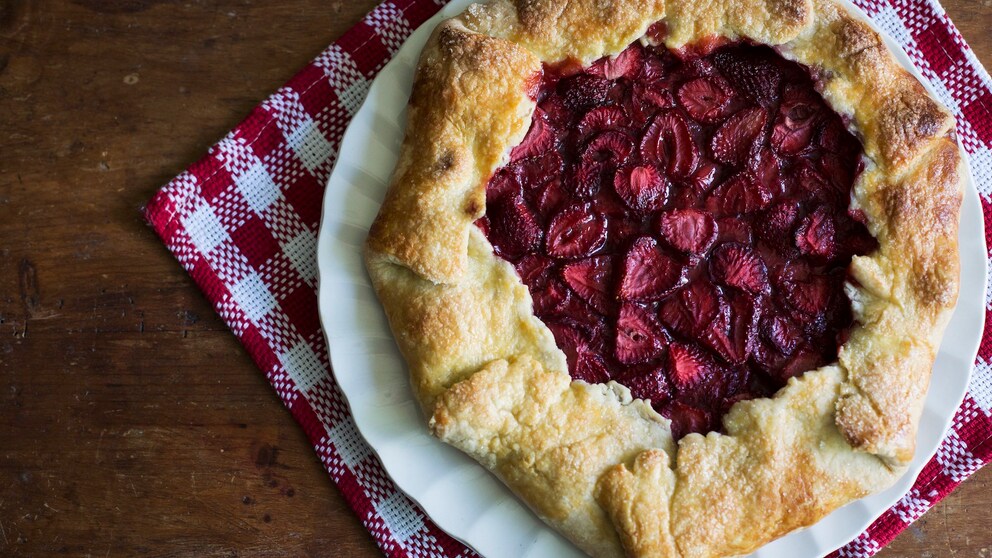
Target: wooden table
{"type": "Point", "coordinates": [131, 421]}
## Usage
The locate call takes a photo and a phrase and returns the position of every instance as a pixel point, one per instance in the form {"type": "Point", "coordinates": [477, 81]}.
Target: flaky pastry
{"type": "Point", "coordinates": [590, 459]}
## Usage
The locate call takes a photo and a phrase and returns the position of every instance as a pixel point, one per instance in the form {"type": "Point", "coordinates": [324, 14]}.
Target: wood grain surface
{"type": "Point", "coordinates": [131, 421]}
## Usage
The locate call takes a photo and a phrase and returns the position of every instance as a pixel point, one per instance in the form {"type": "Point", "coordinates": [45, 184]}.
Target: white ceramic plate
{"type": "Point", "coordinates": [457, 493]}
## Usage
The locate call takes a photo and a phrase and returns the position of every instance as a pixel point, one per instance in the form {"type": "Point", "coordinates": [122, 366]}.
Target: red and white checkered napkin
{"type": "Point", "coordinates": [243, 222]}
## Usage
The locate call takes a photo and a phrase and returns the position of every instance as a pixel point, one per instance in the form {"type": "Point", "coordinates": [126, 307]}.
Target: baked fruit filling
{"type": "Point", "coordinates": [682, 222]}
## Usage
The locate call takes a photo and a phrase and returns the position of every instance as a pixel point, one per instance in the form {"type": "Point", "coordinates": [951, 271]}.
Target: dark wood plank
{"type": "Point", "coordinates": [132, 421]}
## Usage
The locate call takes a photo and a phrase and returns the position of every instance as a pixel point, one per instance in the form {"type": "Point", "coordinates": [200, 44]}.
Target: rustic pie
{"type": "Point", "coordinates": [676, 272]}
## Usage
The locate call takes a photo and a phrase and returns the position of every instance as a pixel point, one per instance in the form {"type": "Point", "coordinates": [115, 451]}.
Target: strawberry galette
{"type": "Point", "coordinates": [676, 272]}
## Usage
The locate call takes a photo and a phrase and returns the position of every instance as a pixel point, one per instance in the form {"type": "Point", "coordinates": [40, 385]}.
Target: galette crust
{"type": "Point", "coordinates": [596, 465]}
{"type": "Point", "coordinates": [550, 438]}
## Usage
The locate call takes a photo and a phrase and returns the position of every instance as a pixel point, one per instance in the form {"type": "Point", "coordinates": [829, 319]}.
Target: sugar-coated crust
{"type": "Point", "coordinates": [911, 196]}
{"type": "Point", "coordinates": [781, 465]}
{"type": "Point", "coordinates": [597, 466]}
{"type": "Point", "coordinates": [550, 438]}
{"type": "Point", "coordinates": [469, 102]}
{"type": "Point", "coordinates": [449, 331]}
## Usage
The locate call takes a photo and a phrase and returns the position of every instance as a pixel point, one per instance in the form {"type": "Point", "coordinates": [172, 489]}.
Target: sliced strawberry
{"type": "Point", "coordinates": [656, 96]}
{"type": "Point", "coordinates": [689, 193]}
{"type": "Point", "coordinates": [639, 336]}
{"type": "Point", "coordinates": [858, 215]}
{"type": "Point", "coordinates": [734, 333]}
{"type": "Point", "coordinates": [549, 197]}
{"type": "Point", "coordinates": [667, 141]}
{"type": "Point", "coordinates": [775, 226]}
{"type": "Point", "coordinates": [648, 273]}
{"type": "Point", "coordinates": [745, 313]}
{"type": "Point", "coordinates": [483, 224]}
{"type": "Point", "coordinates": [834, 138]}
{"type": "Point", "coordinates": [569, 339]}
{"type": "Point", "coordinates": [583, 316]}
{"type": "Point", "coordinates": [625, 65]}
{"type": "Point", "coordinates": [590, 368]}
{"type": "Point", "coordinates": [735, 139]}
{"type": "Point", "coordinates": [732, 380]}
{"type": "Point", "coordinates": [513, 228]}
{"type": "Point", "coordinates": [549, 299]}
{"type": "Point", "coordinates": [704, 177]}
{"type": "Point", "coordinates": [811, 297]}
{"type": "Point", "coordinates": [576, 232]}
{"type": "Point", "coordinates": [798, 118]}
{"type": "Point", "coordinates": [637, 108]}
{"type": "Point", "coordinates": [688, 367]}
{"type": "Point", "coordinates": [804, 360]}
{"type": "Point", "coordinates": [757, 76]}
{"type": "Point", "coordinates": [688, 230]}
{"type": "Point", "coordinates": [613, 208]}
{"type": "Point", "coordinates": [581, 354]}
{"type": "Point", "coordinates": [581, 92]}
{"type": "Point", "coordinates": [782, 333]}
{"type": "Point", "coordinates": [656, 34]}
{"type": "Point", "coordinates": [690, 310]}
{"type": "Point", "coordinates": [645, 100]}
{"type": "Point", "coordinates": [540, 138]}
{"type": "Point", "coordinates": [815, 236]}
{"type": "Point", "coordinates": [767, 169]}
{"type": "Point", "coordinates": [839, 172]}
{"type": "Point", "coordinates": [733, 229]}
{"type": "Point", "coordinates": [641, 188]}
{"type": "Point", "coordinates": [610, 147]}
{"type": "Point", "coordinates": [588, 178]}
{"type": "Point", "coordinates": [740, 194]}
{"type": "Point", "coordinates": [535, 171]}
{"type": "Point", "coordinates": [534, 269]}
{"type": "Point", "coordinates": [590, 279]}
{"type": "Point", "coordinates": [501, 184]}
{"type": "Point", "coordinates": [555, 111]}
{"type": "Point", "coordinates": [602, 119]}
{"type": "Point", "coordinates": [654, 67]}
{"type": "Point", "coordinates": [622, 228]}
{"type": "Point", "coordinates": [618, 92]}
{"type": "Point", "coordinates": [648, 383]}
{"type": "Point", "coordinates": [687, 419]}
{"type": "Point", "coordinates": [704, 99]}
{"type": "Point", "coordinates": [810, 181]}
{"type": "Point", "coordinates": [738, 266]}
{"type": "Point", "coordinates": [794, 271]}
{"type": "Point", "coordinates": [767, 359]}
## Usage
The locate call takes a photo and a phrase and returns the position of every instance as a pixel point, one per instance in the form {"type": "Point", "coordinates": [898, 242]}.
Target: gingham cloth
{"type": "Point", "coordinates": [243, 222]}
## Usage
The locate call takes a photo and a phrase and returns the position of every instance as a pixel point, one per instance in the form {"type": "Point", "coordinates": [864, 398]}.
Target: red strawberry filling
{"type": "Point", "coordinates": [682, 223]}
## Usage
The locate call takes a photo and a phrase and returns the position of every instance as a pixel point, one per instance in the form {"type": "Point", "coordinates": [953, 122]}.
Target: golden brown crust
{"type": "Point", "coordinates": [895, 117]}
{"type": "Point", "coordinates": [583, 30]}
{"type": "Point", "coordinates": [601, 468]}
{"type": "Point", "coordinates": [480, 82]}
{"type": "Point", "coordinates": [781, 465]}
{"type": "Point", "coordinates": [447, 332]}
{"type": "Point", "coordinates": [638, 501]}
{"type": "Point", "coordinates": [770, 22]}
{"type": "Point", "coordinates": [549, 439]}
{"type": "Point", "coordinates": [908, 288]}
